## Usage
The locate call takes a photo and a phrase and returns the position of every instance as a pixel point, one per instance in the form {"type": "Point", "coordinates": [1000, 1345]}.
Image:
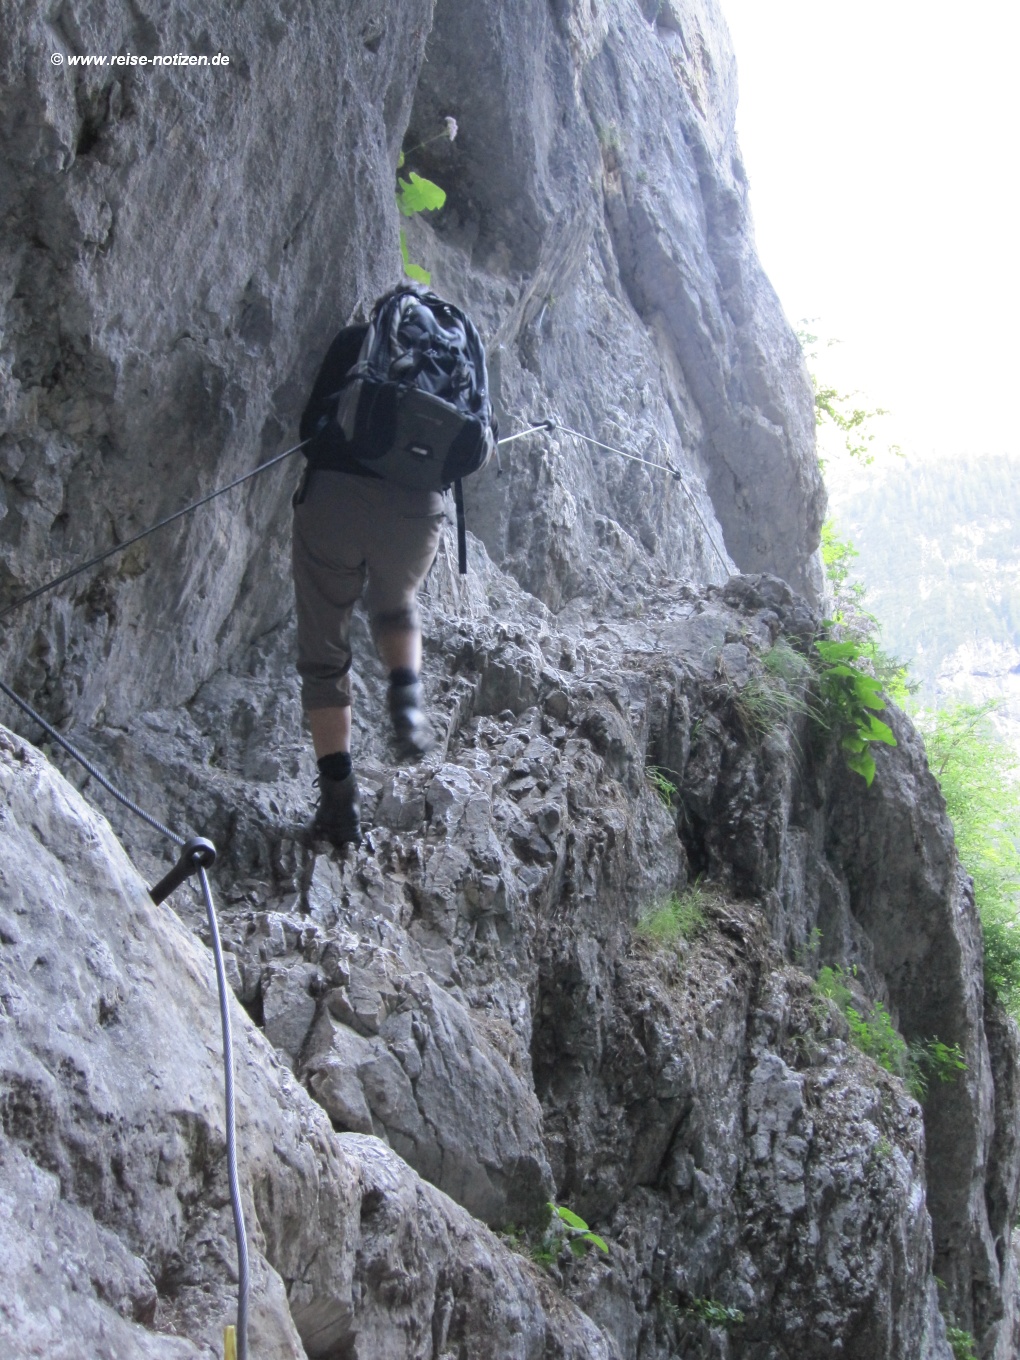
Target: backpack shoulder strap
{"type": "Point", "coordinates": [341, 356]}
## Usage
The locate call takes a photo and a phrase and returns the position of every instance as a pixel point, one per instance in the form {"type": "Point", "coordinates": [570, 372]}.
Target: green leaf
{"type": "Point", "coordinates": [835, 651]}
{"type": "Point", "coordinates": [840, 669]}
{"type": "Point", "coordinates": [880, 731]}
{"type": "Point", "coordinates": [862, 764]}
{"type": "Point", "coordinates": [601, 1243]}
{"type": "Point", "coordinates": [419, 195]}
{"type": "Point", "coordinates": [413, 271]}
{"type": "Point", "coordinates": [571, 1219]}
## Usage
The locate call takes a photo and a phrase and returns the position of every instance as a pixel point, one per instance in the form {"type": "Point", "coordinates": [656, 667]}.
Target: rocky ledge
{"type": "Point", "coordinates": [465, 1018]}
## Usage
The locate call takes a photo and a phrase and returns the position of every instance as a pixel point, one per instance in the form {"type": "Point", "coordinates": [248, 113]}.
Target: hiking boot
{"type": "Point", "coordinates": [412, 729]}
{"type": "Point", "coordinates": [338, 816]}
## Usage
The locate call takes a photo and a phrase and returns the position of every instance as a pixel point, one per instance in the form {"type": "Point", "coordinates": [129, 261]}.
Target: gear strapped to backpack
{"type": "Point", "coordinates": [414, 407]}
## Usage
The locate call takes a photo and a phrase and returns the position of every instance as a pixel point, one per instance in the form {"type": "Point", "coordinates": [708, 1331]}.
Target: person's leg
{"type": "Point", "coordinates": [399, 553]}
{"type": "Point", "coordinates": [331, 730]}
{"type": "Point", "coordinates": [400, 650]}
{"type": "Point", "coordinates": [329, 574]}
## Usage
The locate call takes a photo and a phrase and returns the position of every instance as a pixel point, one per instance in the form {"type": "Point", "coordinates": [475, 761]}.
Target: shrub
{"type": "Point", "coordinates": [978, 777]}
{"type": "Point", "coordinates": [961, 1343]}
{"type": "Point", "coordinates": [682, 917]}
{"type": "Point", "coordinates": [849, 699]}
{"type": "Point", "coordinates": [875, 1035]}
{"type": "Point", "coordinates": [714, 1313]}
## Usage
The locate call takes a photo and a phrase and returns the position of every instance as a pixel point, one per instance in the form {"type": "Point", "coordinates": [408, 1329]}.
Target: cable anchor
{"type": "Point", "coordinates": [198, 853]}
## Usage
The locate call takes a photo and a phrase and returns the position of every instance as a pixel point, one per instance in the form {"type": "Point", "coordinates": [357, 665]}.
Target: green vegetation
{"type": "Point", "coordinates": [975, 769]}
{"type": "Point", "coordinates": [417, 194]}
{"type": "Point", "coordinates": [837, 409]}
{"type": "Point", "coordinates": [714, 1313]}
{"type": "Point", "coordinates": [850, 699]}
{"type": "Point", "coordinates": [579, 1236]}
{"type": "Point", "coordinates": [851, 620]}
{"type": "Point", "coordinates": [854, 672]}
{"type": "Point", "coordinates": [662, 784]}
{"type": "Point", "coordinates": [978, 777]}
{"type": "Point", "coordinates": [772, 696]}
{"type": "Point", "coordinates": [561, 1226]}
{"type": "Point", "coordinates": [682, 917]}
{"type": "Point", "coordinates": [930, 1059]}
{"type": "Point", "coordinates": [962, 1344]}
{"type": "Point", "coordinates": [875, 1035]}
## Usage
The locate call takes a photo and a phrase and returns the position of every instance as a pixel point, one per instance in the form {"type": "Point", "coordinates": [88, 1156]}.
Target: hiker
{"type": "Point", "coordinates": [359, 526]}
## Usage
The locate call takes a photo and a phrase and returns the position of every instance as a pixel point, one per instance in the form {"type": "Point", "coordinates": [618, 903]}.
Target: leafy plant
{"type": "Point", "coordinates": [831, 983]}
{"type": "Point", "coordinates": [850, 620]}
{"type": "Point", "coordinates": [416, 194]}
{"type": "Point", "coordinates": [876, 1036]}
{"type": "Point", "coordinates": [883, 1149]}
{"type": "Point", "coordinates": [837, 409]}
{"type": "Point", "coordinates": [579, 1236]}
{"type": "Point", "coordinates": [930, 1059]}
{"type": "Point", "coordinates": [961, 1343]}
{"type": "Point", "coordinates": [714, 1313]}
{"type": "Point", "coordinates": [561, 1225]}
{"type": "Point", "coordinates": [978, 777]}
{"type": "Point", "coordinates": [850, 699]}
{"type": "Point", "coordinates": [662, 784]}
{"type": "Point", "coordinates": [609, 136]}
{"type": "Point", "coordinates": [682, 917]}
{"type": "Point", "coordinates": [804, 953]}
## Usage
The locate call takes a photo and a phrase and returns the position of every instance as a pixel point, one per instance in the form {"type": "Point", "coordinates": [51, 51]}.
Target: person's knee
{"type": "Point", "coordinates": [325, 686]}
{"type": "Point", "coordinates": [405, 619]}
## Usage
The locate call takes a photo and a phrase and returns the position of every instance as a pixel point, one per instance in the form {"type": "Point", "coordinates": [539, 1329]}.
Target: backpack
{"type": "Point", "coordinates": [414, 409]}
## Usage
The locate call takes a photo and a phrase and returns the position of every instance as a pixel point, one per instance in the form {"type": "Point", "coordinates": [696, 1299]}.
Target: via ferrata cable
{"type": "Point", "coordinates": [198, 854]}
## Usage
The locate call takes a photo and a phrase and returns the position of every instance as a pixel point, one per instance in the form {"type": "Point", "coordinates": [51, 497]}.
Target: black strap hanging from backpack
{"type": "Point", "coordinates": [458, 500]}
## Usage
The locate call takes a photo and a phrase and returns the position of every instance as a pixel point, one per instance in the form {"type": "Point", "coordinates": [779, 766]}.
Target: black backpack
{"type": "Point", "coordinates": [414, 409]}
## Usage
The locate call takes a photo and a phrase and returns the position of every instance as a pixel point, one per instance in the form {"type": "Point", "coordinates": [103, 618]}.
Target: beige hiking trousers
{"type": "Point", "coordinates": [350, 530]}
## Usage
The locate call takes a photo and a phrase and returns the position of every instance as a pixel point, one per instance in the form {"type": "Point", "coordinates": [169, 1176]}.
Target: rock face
{"type": "Point", "coordinates": [181, 243]}
{"type": "Point", "coordinates": [468, 1017]}
{"type": "Point", "coordinates": [112, 1163]}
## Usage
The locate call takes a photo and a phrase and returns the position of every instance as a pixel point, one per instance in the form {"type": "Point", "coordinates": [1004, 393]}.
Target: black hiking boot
{"type": "Point", "coordinates": [338, 816]}
{"type": "Point", "coordinates": [412, 729]}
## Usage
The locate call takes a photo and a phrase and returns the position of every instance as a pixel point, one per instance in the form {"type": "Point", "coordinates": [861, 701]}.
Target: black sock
{"type": "Point", "coordinates": [335, 766]}
{"type": "Point", "coordinates": [403, 675]}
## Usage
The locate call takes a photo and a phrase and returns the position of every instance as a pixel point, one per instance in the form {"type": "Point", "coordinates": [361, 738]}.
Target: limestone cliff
{"type": "Point", "coordinates": [460, 1021]}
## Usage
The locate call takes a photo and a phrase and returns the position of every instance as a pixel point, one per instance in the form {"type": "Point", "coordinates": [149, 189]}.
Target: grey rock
{"type": "Point", "coordinates": [112, 1171]}
{"type": "Point", "coordinates": [469, 986]}
{"type": "Point", "coordinates": [428, 1081]}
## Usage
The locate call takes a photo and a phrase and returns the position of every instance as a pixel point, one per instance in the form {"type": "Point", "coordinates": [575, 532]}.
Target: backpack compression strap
{"type": "Point", "coordinates": [458, 500]}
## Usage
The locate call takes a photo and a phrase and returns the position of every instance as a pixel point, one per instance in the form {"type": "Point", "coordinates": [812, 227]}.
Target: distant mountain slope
{"type": "Point", "coordinates": [939, 552]}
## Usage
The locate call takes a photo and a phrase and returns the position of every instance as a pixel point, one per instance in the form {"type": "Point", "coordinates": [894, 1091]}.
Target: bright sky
{"type": "Point", "coordinates": [881, 142]}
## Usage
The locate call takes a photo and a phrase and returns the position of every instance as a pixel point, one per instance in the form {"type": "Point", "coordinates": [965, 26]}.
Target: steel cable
{"type": "Point", "coordinates": [88, 765]}
{"type": "Point", "coordinates": [645, 462]}
{"type": "Point", "coordinates": [243, 1263]}
{"type": "Point", "coordinates": [136, 538]}
{"type": "Point", "coordinates": [243, 1266]}
{"type": "Point", "coordinates": [243, 1269]}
